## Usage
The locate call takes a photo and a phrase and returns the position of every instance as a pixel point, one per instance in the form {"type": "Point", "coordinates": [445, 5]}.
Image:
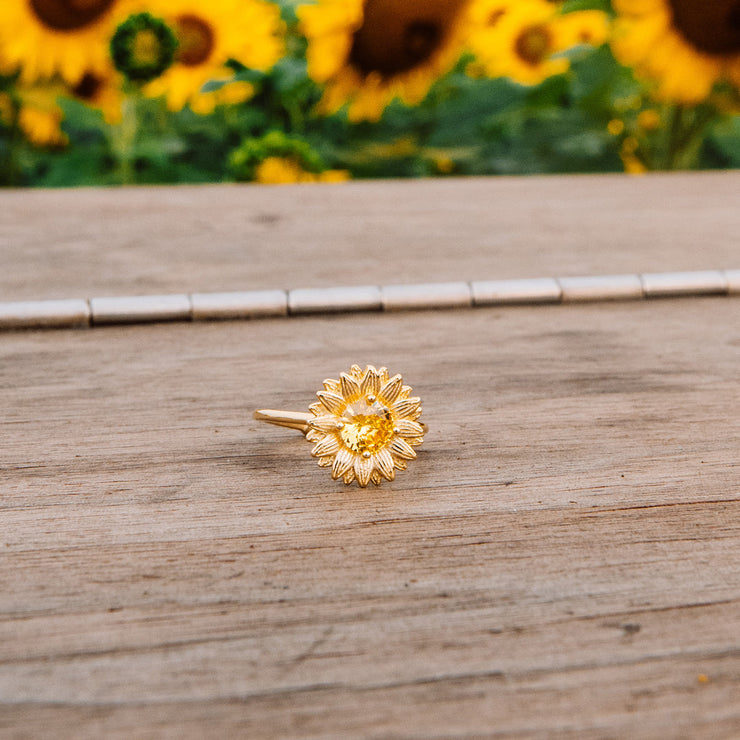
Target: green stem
{"type": "Point", "coordinates": [686, 136]}
{"type": "Point", "coordinates": [688, 146]}
{"type": "Point", "coordinates": [663, 158]}
{"type": "Point", "coordinates": [123, 138]}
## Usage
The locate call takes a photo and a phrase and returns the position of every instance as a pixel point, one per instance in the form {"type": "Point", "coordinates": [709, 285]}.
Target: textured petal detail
{"type": "Point", "coordinates": [324, 423]}
{"type": "Point", "coordinates": [403, 449]}
{"type": "Point", "coordinates": [408, 408]}
{"type": "Point", "coordinates": [328, 446]}
{"type": "Point", "coordinates": [317, 409]}
{"type": "Point", "coordinates": [356, 372]}
{"type": "Point", "coordinates": [376, 477]}
{"type": "Point", "coordinates": [389, 392]}
{"type": "Point", "coordinates": [350, 388]}
{"type": "Point", "coordinates": [325, 462]}
{"type": "Point", "coordinates": [415, 441]}
{"type": "Point", "coordinates": [349, 476]}
{"type": "Point", "coordinates": [363, 469]}
{"type": "Point", "coordinates": [342, 463]}
{"type": "Point", "coordinates": [384, 463]}
{"type": "Point", "coordinates": [400, 464]}
{"type": "Point", "coordinates": [331, 385]}
{"type": "Point", "coordinates": [313, 436]}
{"type": "Point", "coordinates": [408, 428]}
{"type": "Point", "coordinates": [371, 381]}
{"type": "Point", "coordinates": [333, 402]}
{"type": "Point", "coordinates": [405, 391]}
{"type": "Point", "coordinates": [383, 374]}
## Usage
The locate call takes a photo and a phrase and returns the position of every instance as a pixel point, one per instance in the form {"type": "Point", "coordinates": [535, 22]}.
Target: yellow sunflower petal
{"type": "Point", "coordinates": [408, 428]}
{"type": "Point", "coordinates": [350, 388]}
{"type": "Point", "coordinates": [342, 463]}
{"type": "Point", "coordinates": [371, 381]}
{"type": "Point", "coordinates": [389, 392]}
{"type": "Point", "coordinates": [408, 408]}
{"type": "Point", "coordinates": [384, 463]}
{"type": "Point", "coordinates": [327, 446]}
{"type": "Point", "coordinates": [325, 424]}
{"type": "Point", "coordinates": [363, 469]}
{"type": "Point", "coordinates": [333, 402]}
{"type": "Point", "coordinates": [403, 449]}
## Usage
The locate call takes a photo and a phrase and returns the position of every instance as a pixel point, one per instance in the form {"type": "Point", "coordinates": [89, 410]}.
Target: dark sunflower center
{"type": "Point", "coordinates": [533, 44]}
{"type": "Point", "coordinates": [712, 27]}
{"type": "Point", "coordinates": [195, 38]}
{"type": "Point", "coordinates": [69, 15]}
{"type": "Point", "coordinates": [399, 35]}
{"type": "Point", "coordinates": [88, 87]}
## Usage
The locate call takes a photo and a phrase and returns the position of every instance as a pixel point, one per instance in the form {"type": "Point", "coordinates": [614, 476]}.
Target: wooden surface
{"type": "Point", "coordinates": [562, 561]}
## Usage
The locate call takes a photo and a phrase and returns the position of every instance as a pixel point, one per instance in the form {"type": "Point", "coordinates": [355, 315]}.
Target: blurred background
{"type": "Point", "coordinates": [101, 92]}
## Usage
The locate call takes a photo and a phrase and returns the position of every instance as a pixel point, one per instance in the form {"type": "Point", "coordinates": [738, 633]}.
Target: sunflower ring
{"type": "Point", "coordinates": [364, 426]}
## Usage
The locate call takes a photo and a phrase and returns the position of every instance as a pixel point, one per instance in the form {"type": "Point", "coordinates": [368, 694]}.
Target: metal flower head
{"type": "Point", "coordinates": [365, 425]}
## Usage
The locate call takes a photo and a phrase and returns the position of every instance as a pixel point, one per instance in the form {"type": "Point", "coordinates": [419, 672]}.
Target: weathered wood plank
{"type": "Point", "coordinates": [97, 242]}
{"type": "Point", "coordinates": [562, 561]}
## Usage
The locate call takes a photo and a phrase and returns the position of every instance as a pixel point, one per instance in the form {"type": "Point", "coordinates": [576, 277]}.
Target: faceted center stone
{"type": "Point", "coordinates": [368, 427]}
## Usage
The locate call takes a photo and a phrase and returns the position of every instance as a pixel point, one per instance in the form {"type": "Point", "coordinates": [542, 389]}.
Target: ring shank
{"type": "Point", "coordinates": [297, 420]}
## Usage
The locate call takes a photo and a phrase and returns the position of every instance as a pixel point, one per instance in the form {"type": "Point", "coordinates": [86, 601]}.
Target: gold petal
{"type": "Point", "coordinates": [384, 463]}
{"type": "Point", "coordinates": [325, 462]}
{"type": "Point", "coordinates": [328, 446]}
{"type": "Point", "coordinates": [400, 464]}
{"type": "Point", "coordinates": [403, 449]}
{"type": "Point", "coordinates": [356, 372]}
{"type": "Point", "coordinates": [408, 408]}
{"type": "Point", "coordinates": [376, 477]}
{"type": "Point", "coordinates": [324, 423]}
{"type": "Point", "coordinates": [371, 381]}
{"type": "Point", "coordinates": [333, 402]}
{"type": "Point", "coordinates": [363, 469]}
{"type": "Point", "coordinates": [314, 436]}
{"type": "Point", "coordinates": [349, 476]}
{"type": "Point", "coordinates": [331, 385]}
{"type": "Point", "coordinates": [389, 392]}
{"type": "Point", "coordinates": [317, 409]}
{"type": "Point", "coordinates": [383, 374]}
{"type": "Point", "coordinates": [342, 463]}
{"type": "Point", "coordinates": [408, 428]}
{"type": "Point", "coordinates": [350, 388]}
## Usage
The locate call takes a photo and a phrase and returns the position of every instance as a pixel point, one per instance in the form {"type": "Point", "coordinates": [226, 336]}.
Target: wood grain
{"type": "Point", "coordinates": [563, 560]}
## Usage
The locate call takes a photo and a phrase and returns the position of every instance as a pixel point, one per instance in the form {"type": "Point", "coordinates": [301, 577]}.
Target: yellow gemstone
{"type": "Point", "coordinates": [368, 427]}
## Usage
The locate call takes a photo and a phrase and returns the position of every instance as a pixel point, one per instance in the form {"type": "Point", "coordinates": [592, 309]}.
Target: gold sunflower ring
{"type": "Point", "coordinates": [364, 426]}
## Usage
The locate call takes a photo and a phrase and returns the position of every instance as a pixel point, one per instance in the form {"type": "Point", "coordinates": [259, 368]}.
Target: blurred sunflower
{"type": "Point", "coordinates": [65, 37]}
{"type": "Point", "coordinates": [231, 92]}
{"type": "Point", "coordinates": [525, 40]}
{"type": "Point", "coordinates": [287, 171]}
{"type": "Point", "coordinates": [209, 35]}
{"type": "Point", "coordinates": [103, 92]}
{"type": "Point", "coordinates": [686, 46]}
{"type": "Point", "coordinates": [368, 52]}
{"type": "Point", "coordinates": [278, 158]}
{"type": "Point", "coordinates": [39, 115]}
